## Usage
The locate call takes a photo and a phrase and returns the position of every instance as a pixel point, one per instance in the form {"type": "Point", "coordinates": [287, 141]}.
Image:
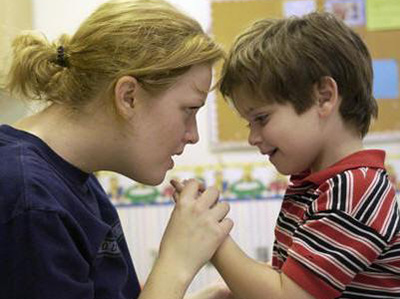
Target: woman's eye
{"type": "Point", "coordinates": [191, 110]}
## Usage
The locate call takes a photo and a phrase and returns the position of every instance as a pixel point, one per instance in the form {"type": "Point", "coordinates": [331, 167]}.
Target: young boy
{"type": "Point", "coordinates": [305, 87]}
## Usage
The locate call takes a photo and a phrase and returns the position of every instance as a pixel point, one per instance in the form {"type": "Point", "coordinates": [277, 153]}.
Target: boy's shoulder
{"type": "Point", "coordinates": [363, 192]}
{"type": "Point", "coordinates": [358, 185]}
{"type": "Point", "coordinates": [363, 164]}
{"type": "Point", "coordinates": [355, 176]}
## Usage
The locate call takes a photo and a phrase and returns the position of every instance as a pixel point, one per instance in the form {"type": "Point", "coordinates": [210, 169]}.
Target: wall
{"type": "Point", "coordinates": [15, 15]}
{"type": "Point", "coordinates": [54, 17]}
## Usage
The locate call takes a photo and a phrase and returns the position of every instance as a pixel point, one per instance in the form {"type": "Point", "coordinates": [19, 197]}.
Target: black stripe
{"type": "Point", "coordinates": [334, 190]}
{"type": "Point", "coordinates": [376, 201]}
{"type": "Point", "coordinates": [327, 281]}
{"type": "Point", "coordinates": [361, 293]}
{"type": "Point", "coordinates": [299, 199]}
{"type": "Point", "coordinates": [343, 192]}
{"type": "Point", "coordinates": [371, 201]}
{"type": "Point", "coordinates": [382, 269]}
{"type": "Point", "coordinates": [344, 257]}
{"type": "Point", "coordinates": [341, 218]}
{"type": "Point", "coordinates": [286, 223]}
{"type": "Point", "coordinates": [393, 227]}
{"type": "Point", "coordinates": [393, 251]}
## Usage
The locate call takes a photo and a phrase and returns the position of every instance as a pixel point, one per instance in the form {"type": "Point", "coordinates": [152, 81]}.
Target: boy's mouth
{"type": "Point", "coordinates": [271, 152]}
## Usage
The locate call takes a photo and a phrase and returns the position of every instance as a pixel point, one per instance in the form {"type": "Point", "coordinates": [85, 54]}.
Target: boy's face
{"type": "Point", "coordinates": [292, 142]}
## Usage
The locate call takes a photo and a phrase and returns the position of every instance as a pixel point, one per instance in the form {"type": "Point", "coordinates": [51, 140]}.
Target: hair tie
{"type": "Point", "coordinates": [61, 58]}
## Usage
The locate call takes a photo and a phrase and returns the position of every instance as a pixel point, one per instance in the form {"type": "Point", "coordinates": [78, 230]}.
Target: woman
{"type": "Point", "coordinates": [122, 95]}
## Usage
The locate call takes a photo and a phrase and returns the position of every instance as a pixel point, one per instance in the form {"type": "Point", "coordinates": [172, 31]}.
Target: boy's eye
{"type": "Point", "coordinates": [261, 119]}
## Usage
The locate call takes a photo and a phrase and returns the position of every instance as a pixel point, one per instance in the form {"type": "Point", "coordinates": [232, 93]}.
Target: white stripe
{"type": "Point", "coordinates": [329, 258]}
{"type": "Point", "coordinates": [359, 256]}
{"type": "Point", "coordinates": [366, 193]}
{"type": "Point", "coordinates": [371, 202]}
{"type": "Point", "coordinates": [365, 295]}
{"type": "Point", "coordinates": [379, 207]}
{"type": "Point", "coordinates": [364, 237]}
{"type": "Point", "coordinates": [349, 191]}
{"type": "Point", "coordinates": [318, 270]}
{"type": "Point", "coordinates": [376, 288]}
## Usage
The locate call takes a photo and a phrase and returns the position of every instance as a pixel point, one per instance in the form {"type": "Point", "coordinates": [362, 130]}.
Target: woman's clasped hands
{"type": "Point", "coordinates": [197, 226]}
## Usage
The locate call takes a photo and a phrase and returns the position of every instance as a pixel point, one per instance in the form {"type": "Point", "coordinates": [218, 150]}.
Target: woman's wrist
{"type": "Point", "coordinates": [175, 271]}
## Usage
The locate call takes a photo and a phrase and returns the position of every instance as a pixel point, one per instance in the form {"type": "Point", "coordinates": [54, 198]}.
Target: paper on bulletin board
{"type": "Point", "coordinates": [386, 79]}
{"type": "Point", "coordinates": [383, 15]}
{"type": "Point", "coordinates": [298, 8]}
{"type": "Point", "coordinates": [352, 12]}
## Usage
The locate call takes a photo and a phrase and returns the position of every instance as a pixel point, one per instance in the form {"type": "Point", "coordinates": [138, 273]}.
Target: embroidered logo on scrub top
{"type": "Point", "coordinates": [109, 246]}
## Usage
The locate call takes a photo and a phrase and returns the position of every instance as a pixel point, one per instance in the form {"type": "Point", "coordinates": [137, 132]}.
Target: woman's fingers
{"type": "Point", "coordinates": [209, 197]}
{"type": "Point", "coordinates": [179, 186]}
{"type": "Point", "coordinates": [208, 200]}
{"type": "Point", "coordinates": [197, 225]}
{"type": "Point", "coordinates": [220, 210]}
{"type": "Point", "coordinates": [226, 225]}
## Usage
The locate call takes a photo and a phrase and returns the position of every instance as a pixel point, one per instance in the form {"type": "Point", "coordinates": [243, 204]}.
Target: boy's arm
{"type": "Point", "coordinates": [248, 278]}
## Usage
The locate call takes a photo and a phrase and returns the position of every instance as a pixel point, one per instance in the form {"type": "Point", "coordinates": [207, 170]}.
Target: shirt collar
{"type": "Point", "coordinates": [364, 158]}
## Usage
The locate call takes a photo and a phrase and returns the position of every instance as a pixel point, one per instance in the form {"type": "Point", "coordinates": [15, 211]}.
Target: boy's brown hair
{"type": "Point", "coordinates": [281, 60]}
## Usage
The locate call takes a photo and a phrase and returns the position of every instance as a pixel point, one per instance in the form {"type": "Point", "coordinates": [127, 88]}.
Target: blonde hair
{"type": "Point", "coordinates": [147, 39]}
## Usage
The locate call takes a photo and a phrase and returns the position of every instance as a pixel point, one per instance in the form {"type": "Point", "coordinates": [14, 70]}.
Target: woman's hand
{"type": "Point", "coordinates": [196, 228]}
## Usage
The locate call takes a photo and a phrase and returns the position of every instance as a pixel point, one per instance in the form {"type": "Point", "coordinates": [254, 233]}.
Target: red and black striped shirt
{"type": "Point", "coordinates": [338, 231]}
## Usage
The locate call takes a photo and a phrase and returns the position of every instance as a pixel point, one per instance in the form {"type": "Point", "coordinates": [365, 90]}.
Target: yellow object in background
{"type": "Point", "coordinates": [383, 15]}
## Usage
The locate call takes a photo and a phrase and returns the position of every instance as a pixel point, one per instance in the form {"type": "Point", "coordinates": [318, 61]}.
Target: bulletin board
{"type": "Point", "coordinates": [229, 18]}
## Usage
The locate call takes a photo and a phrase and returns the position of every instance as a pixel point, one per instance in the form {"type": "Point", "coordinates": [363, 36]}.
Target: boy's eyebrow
{"type": "Point", "coordinates": [249, 111]}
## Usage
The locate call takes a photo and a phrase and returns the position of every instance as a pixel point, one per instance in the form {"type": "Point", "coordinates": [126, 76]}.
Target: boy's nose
{"type": "Point", "coordinates": [253, 137]}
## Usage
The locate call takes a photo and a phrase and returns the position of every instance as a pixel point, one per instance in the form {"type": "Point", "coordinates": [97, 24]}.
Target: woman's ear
{"type": "Point", "coordinates": [327, 96]}
{"type": "Point", "coordinates": [125, 91]}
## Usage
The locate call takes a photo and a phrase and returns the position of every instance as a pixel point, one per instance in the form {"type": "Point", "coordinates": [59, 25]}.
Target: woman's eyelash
{"type": "Point", "coordinates": [192, 109]}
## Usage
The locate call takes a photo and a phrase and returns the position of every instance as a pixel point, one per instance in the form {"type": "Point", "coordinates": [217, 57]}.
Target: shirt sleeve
{"type": "Point", "coordinates": [332, 248]}
{"type": "Point", "coordinates": [45, 257]}
{"type": "Point", "coordinates": [336, 242]}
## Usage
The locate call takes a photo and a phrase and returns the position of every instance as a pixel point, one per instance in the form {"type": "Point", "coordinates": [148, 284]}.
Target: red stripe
{"type": "Point", "coordinates": [308, 281]}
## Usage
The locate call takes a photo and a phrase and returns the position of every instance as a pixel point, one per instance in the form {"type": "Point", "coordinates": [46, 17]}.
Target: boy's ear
{"type": "Point", "coordinates": [327, 96]}
{"type": "Point", "coordinates": [124, 95]}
